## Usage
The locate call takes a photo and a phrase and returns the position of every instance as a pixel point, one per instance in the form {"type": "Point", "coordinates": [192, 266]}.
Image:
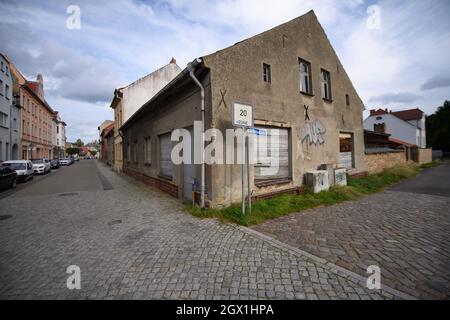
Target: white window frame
{"type": "Point", "coordinates": [325, 83]}
{"type": "Point", "coordinates": [305, 77]}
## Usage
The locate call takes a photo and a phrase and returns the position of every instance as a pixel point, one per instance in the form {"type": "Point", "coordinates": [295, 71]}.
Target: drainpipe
{"type": "Point", "coordinates": [191, 67]}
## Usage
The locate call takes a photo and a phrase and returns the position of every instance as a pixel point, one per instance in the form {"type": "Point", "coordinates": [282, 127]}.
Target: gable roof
{"type": "Point", "coordinates": [199, 63]}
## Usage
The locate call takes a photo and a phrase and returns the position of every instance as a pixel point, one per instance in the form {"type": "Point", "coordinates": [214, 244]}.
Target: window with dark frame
{"type": "Point", "coordinates": [305, 77]}
{"type": "Point", "coordinates": [325, 80]}
{"type": "Point", "coordinates": [267, 76]}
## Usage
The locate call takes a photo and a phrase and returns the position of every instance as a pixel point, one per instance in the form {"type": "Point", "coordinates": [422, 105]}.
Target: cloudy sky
{"type": "Point", "coordinates": [400, 60]}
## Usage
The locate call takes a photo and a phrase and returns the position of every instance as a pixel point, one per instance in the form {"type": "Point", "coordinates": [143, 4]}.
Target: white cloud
{"type": "Point", "coordinates": [120, 41]}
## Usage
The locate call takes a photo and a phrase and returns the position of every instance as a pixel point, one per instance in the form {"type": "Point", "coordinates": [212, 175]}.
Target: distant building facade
{"type": "Point", "coordinates": [107, 144]}
{"type": "Point", "coordinates": [58, 136]}
{"type": "Point", "coordinates": [127, 100]}
{"type": "Point", "coordinates": [405, 125]}
{"type": "Point", "coordinates": [9, 114]}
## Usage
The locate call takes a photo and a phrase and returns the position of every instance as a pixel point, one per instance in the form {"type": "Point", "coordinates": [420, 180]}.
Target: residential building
{"type": "Point", "coordinates": [300, 94]}
{"type": "Point", "coordinates": [107, 144]}
{"type": "Point", "coordinates": [9, 114]}
{"type": "Point", "coordinates": [127, 100]}
{"type": "Point", "coordinates": [58, 136]}
{"type": "Point", "coordinates": [406, 125]}
{"type": "Point", "coordinates": [36, 124]}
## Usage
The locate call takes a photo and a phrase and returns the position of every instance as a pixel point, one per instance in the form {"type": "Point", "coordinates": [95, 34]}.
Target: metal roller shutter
{"type": "Point", "coordinates": [264, 140]}
{"type": "Point", "coordinates": [165, 151]}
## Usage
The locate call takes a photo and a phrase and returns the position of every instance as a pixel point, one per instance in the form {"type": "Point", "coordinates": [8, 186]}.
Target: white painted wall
{"type": "Point", "coordinates": [139, 92]}
{"type": "Point", "coordinates": [398, 128]}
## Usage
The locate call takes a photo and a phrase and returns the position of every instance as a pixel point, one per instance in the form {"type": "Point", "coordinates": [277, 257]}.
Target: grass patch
{"type": "Point", "coordinates": [273, 208]}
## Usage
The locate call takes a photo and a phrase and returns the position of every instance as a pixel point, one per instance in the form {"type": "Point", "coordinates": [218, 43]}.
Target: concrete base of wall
{"type": "Point", "coordinates": [159, 184]}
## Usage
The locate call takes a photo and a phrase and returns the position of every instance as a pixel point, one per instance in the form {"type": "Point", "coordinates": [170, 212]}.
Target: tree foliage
{"type": "Point", "coordinates": [79, 143]}
{"type": "Point", "coordinates": [72, 151]}
{"type": "Point", "coordinates": [438, 128]}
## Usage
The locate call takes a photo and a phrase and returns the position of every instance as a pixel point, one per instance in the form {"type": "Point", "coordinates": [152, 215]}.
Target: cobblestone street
{"type": "Point", "coordinates": [134, 243]}
{"type": "Point", "coordinates": [404, 230]}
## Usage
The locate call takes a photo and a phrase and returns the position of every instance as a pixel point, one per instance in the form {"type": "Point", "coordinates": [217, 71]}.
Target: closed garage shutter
{"type": "Point", "coordinates": [265, 138]}
{"type": "Point", "coordinates": [165, 151]}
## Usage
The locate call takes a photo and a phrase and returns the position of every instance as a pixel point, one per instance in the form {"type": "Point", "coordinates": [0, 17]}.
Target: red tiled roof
{"type": "Point", "coordinates": [32, 85]}
{"type": "Point", "coordinates": [407, 115]}
{"type": "Point", "coordinates": [398, 141]}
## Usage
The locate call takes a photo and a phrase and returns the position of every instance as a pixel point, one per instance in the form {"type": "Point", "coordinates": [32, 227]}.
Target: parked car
{"type": "Point", "coordinates": [41, 165]}
{"type": "Point", "coordinates": [23, 168]}
{"type": "Point", "coordinates": [65, 162]}
{"type": "Point", "coordinates": [8, 177]}
{"type": "Point", "coordinates": [54, 164]}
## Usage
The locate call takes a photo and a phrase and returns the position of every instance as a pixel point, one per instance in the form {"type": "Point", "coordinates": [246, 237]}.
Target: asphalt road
{"type": "Point", "coordinates": [80, 176]}
{"type": "Point", "coordinates": [435, 181]}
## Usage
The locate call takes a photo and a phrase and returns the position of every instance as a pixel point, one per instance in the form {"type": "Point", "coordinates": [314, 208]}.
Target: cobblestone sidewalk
{"type": "Point", "coordinates": [406, 234]}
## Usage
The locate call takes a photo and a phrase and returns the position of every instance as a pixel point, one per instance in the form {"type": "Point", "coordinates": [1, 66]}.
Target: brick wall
{"type": "Point", "coordinates": [160, 184]}
{"type": "Point", "coordinates": [377, 162]}
{"type": "Point", "coordinates": [422, 156]}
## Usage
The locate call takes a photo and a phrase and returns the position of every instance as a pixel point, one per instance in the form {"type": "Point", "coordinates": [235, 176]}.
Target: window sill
{"type": "Point", "coordinates": [307, 94]}
{"type": "Point", "coordinates": [327, 100]}
{"type": "Point", "coordinates": [272, 182]}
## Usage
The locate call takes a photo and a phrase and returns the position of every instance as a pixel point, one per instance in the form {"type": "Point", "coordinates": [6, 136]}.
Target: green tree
{"type": "Point", "coordinates": [79, 143]}
{"type": "Point", "coordinates": [93, 152]}
{"type": "Point", "coordinates": [438, 128]}
{"type": "Point", "coordinates": [72, 151]}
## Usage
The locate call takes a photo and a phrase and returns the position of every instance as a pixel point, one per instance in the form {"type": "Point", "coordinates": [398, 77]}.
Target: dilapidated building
{"type": "Point", "coordinates": [300, 92]}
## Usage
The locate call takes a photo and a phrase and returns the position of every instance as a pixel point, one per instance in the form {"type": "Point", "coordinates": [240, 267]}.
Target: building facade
{"type": "Point", "coordinates": [107, 144]}
{"type": "Point", "coordinates": [37, 118]}
{"type": "Point", "coordinates": [129, 99]}
{"type": "Point", "coordinates": [405, 125]}
{"type": "Point", "coordinates": [300, 94]}
{"type": "Point", "coordinates": [58, 136]}
{"type": "Point", "coordinates": [9, 114]}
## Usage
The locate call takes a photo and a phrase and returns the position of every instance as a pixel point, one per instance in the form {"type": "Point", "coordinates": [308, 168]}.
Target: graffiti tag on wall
{"type": "Point", "coordinates": [313, 132]}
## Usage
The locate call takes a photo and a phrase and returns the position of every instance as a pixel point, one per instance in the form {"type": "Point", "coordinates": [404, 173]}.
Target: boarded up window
{"type": "Point", "coordinates": [346, 150]}
{"type": "Point", "coordinates": [165, 148]}
{"type": "Point", "coordinates": [147, 150]}
{"type": "Point", "coordinates": [272, 149]}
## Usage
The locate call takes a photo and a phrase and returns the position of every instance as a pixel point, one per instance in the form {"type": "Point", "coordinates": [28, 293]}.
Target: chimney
{"type": "Point", "coordinates": [40, 88]}
{"type": "Point", "coordinates": [173, 60]}
{"type": "Point", "coordinates": [372, 112]}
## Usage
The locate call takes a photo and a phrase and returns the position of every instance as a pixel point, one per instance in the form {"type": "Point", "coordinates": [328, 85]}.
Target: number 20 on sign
{"type": "Point", "coordinates": [242, 115]}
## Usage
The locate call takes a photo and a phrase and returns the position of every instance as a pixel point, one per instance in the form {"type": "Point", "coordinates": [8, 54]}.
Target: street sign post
{"type": "Point", "coordinates": [242, 116]}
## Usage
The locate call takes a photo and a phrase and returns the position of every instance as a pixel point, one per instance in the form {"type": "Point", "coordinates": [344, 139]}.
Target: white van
{"type": "Point", "coordinates": [23, 168]}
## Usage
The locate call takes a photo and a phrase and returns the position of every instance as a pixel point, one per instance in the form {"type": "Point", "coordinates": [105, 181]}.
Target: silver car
{"type": "Point", "coordinates": [23, 168]}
